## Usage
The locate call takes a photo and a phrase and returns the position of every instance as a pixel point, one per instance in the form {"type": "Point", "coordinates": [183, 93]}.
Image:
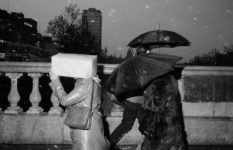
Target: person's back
{"type": "Point", "coordinates": [162, 98]}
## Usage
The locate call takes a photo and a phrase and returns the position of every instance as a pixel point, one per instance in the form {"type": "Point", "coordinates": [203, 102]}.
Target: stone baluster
{"type": "Point", "coordinates": [35, 96]}
{"type": "Point", "coordinates": [56, 109]}
{"type": "Point", "coordinates": [13, 96]}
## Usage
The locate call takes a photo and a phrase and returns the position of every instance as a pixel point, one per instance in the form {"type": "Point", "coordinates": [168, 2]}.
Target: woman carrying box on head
{"type": "Point", "coordinates": [86, 90]}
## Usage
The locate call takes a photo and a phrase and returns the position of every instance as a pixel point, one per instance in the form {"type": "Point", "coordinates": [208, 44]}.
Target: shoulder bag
{"type": "Point", "coordinates": [80, 117]}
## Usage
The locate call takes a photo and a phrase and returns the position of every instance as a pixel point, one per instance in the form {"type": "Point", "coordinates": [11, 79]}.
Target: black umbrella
{"type": "Point", "coordinates": [133, 75]}
{"type": "Point", "coordinates": [159, 38]}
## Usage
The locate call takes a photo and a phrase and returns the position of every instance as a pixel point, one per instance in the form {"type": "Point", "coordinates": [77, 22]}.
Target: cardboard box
{"type": "Point", "coordinates": [74, 65]}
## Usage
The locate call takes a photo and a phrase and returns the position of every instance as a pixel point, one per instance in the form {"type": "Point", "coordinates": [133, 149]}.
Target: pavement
{"type": "Point", "coordinates": [124, 147]}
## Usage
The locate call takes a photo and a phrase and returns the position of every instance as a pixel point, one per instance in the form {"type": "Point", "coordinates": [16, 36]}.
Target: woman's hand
{"type": "Point", "coordinates": [53, 76]}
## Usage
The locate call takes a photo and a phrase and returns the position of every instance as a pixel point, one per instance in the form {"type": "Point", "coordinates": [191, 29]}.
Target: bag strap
{"type": "Point", "coordinates": [92, 94]}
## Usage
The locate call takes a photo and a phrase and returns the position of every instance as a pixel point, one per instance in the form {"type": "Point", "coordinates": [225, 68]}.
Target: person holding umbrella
{"type": "Point", "coordinates": [132, 110]}
{"type": "Point", "coordinates": [158, 110]}
{"type": "Point", "coordinates": [150, 72]}
{"type": "Point", "coordinates": [162, 125]}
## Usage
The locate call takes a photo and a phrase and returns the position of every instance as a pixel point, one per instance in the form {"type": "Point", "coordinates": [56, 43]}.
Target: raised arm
{"type": "Point", "coordinates": [78, 94]}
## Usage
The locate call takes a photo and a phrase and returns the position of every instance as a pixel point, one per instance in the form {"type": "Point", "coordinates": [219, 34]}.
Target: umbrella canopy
{"type": "Point", "coordinates": [133, 75]}
{"type": "Point", "coordinates": [159, 38]}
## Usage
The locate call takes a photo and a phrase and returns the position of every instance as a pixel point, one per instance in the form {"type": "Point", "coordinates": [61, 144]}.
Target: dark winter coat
{"type": "Point", "coordinates": [163, 124]}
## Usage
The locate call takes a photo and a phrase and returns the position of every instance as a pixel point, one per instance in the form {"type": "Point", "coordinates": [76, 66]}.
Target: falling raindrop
{"type": "Point", "coordinates": [190, 7]}
{"type": "Point", "coordinates": [195, 19]}
{"type": "Point", "coordinates": [213, 9]}
{"type": "Point", "coordinates": [139, 11]}
{"type": "Point", "coordinates": [220, 36]}
{"type": "Point", "coordinates": [147, 6]}
{"type": "Point", "coordinates": [172, 22]}
{"type": "Point", "coordinates": [167, 38]}
{"type": "Point", "coordinates": [146, 10]}
{"type": "Point", "coordinates": [69, 1]}
{"type": "Point", "coordinates": [228, 11]}
{"type": "Point", "coordinates": [184, 53]}
{"type": "Point", "coordinates": [17, 8]}
{"type": "Point", "coordinates": [111, 12]}
{"type": "Point", "coordinates": [120, 48]}
{"type": "Point", "coordinates": [226, 44]}
{"type": "Point", "coordinates": [206, 29]}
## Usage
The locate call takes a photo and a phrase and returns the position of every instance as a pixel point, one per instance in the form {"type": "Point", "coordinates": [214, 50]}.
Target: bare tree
{"type": "Point", "coordinates": [67, 29]}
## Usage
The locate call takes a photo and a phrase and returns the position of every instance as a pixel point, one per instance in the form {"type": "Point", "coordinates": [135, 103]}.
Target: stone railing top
{"type": "Point", "coordinates": [29, 67]}
{"type": "Point", "coordinates": [44, 67]}
{"type": "Point", "coordinates": [207, 71]}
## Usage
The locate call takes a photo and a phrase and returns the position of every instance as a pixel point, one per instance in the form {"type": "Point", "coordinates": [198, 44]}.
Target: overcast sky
{"type": "Point", "coordinates": [208, 24]}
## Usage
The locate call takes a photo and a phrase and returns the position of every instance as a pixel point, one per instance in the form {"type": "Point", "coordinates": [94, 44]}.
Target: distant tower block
{"type": "Point", "coordinates": [92, 22]}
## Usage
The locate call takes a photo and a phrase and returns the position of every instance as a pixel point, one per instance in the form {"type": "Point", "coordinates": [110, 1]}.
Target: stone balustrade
{"type": "Point", "coordinates": [206, 94]}
{"type": "Point", "coordinates": [14, 70]}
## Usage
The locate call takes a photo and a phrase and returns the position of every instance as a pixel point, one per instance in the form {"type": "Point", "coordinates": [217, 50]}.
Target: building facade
{"type": "Point", "coordinates": [14, 27]}
{"type": "Point", "coordinates": [19, 39]}
{"type": "Point", "coordinates": [92, 22]}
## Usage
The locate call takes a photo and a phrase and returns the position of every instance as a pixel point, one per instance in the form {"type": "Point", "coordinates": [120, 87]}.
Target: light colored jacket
{"type": "Point", "coordinates": [81, 95]}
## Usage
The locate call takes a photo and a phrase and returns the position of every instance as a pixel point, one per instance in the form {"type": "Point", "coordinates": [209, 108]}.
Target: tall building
{"type": "Point", "coordinates": [92, 22]}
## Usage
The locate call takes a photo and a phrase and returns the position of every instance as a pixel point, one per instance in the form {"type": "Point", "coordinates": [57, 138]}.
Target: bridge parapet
{"type": "Point", "coordinates": [206, 94]}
